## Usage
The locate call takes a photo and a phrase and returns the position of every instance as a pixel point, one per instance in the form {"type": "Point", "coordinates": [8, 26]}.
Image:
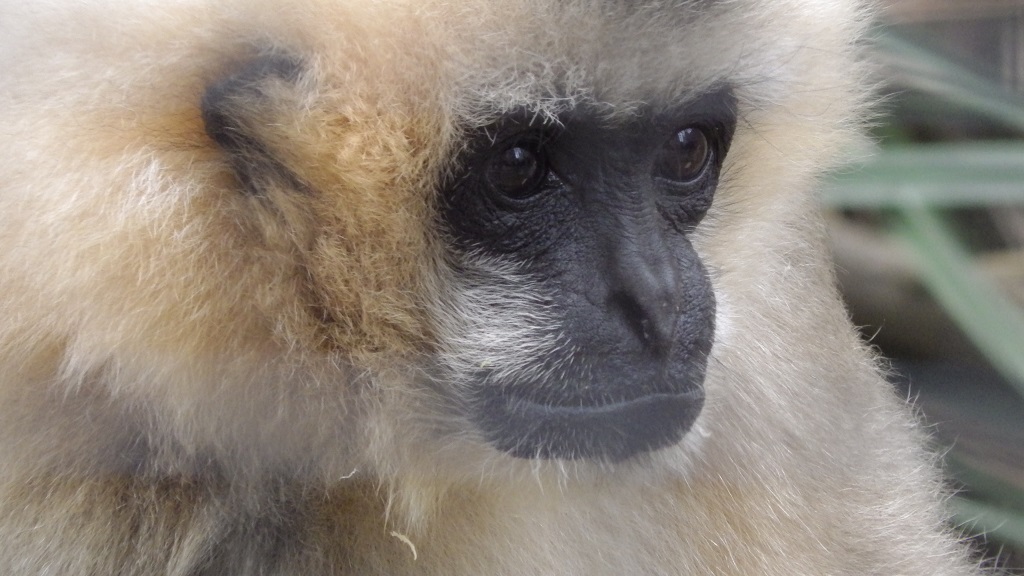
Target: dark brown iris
{"type": "Point", "coordinates": [684, 156]}
{"type": "Point", "coordinates": [517, 172]}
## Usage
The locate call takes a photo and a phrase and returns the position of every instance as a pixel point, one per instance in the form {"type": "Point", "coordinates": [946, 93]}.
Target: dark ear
{"type": "Point", "coordinates": [239, 112]}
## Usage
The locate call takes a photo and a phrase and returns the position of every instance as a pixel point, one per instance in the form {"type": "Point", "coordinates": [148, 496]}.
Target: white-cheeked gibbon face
{"type": "Point", "coordinates": [439, 287]}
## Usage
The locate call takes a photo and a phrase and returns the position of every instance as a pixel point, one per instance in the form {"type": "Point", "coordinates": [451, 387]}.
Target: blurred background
{"type": "Point", "coordinates": [928, 233]}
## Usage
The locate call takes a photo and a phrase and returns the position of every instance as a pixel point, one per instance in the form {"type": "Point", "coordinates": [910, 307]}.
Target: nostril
{"type": "Point", "coordinates": [650, 321]}
{"type": "Point", "coordinates": [633, 315]}
{"type": "Point", "coordinates": [645, 330]}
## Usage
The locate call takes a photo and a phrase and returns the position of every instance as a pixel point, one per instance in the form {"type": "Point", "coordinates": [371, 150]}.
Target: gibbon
{"type": "Point", "coordinates": [439, 287]}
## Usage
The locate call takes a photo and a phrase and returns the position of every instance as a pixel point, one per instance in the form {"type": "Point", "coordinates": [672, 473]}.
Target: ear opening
{"type": "Point", "coordinates": [240, 107]}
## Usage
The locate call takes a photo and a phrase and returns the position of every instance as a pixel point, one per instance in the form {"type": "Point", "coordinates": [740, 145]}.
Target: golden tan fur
{"type": "Point", "coordinates": [196, 381]}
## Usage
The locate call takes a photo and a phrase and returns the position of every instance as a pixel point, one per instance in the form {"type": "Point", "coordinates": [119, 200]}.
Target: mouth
{"type": "Point", "coordinates": [611, 432]}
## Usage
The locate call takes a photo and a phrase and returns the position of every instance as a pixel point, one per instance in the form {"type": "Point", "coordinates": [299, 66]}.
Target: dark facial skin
{"type": "Point", "coordinates": [599, 213]}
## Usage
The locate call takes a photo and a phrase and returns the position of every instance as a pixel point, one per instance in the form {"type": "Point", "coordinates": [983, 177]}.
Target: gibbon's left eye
{"type": "Point", "coordinates": [684, 157]}
{"type": "Point", "coordinates": [518, 171]}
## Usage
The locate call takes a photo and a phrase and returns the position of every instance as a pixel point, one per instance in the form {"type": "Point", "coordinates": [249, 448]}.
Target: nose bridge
{"type": "Point", "coordinates": [642, 257]}
{"type": "Point", "coordinates": [644, 277]}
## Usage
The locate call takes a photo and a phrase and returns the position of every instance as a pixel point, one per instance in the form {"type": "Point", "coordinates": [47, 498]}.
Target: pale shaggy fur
{"type": "Point", "coordinates": [198, 381]}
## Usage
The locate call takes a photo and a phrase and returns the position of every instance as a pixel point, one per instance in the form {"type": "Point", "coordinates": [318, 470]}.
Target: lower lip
{"type": "Point", "coordinates": [611, 432]}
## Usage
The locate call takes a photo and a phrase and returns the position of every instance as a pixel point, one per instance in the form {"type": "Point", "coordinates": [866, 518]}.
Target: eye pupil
{"type": "Point", "coordinates": [684, 156]}
{"type": "Point", "coordinates": [516, 171]}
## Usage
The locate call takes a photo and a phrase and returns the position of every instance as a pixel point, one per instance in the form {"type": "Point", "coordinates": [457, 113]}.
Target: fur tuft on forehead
{"type": "Point", "coordinates": [550, 56]}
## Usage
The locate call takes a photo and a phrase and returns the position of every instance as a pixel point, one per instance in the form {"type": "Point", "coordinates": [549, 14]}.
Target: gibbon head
{"type": "Point", "coordinates": [491, 231]}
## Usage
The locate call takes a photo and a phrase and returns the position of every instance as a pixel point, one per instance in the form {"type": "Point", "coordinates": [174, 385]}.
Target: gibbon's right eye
{"type": "Point", "coordinates": [685, 156]}
{"type": "Point", "coordinates": [518, 171]}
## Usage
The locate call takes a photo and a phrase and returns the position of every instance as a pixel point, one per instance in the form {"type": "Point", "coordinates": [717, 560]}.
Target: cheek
{"type": "Point", "coordinates": [491, 317]}
{"type": "Point", "coordinates": [725, 324]}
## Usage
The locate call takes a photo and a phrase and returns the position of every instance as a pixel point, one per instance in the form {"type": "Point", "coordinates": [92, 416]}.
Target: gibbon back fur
{"type": "Point", "coordinates": [235, 338]}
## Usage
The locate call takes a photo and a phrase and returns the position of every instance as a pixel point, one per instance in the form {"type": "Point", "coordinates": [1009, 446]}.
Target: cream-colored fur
{"type": "Point", "coordinates": [196, 380]}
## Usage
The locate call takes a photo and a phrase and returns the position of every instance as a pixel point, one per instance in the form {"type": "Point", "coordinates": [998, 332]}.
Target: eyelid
{"type": "Point", "coordinates": [540, 136]}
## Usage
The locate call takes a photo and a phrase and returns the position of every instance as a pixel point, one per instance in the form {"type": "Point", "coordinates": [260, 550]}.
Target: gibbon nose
{"type": "Point", "coordinates": [645, 290]}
